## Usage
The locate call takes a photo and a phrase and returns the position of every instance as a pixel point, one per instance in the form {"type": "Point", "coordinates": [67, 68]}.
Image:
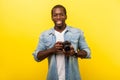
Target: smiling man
{"type": "Point", "coordinates": [62, 45]}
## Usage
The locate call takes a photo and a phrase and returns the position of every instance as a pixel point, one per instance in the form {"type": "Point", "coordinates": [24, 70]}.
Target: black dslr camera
{"type": "Point", "coordinates": [66, 45]}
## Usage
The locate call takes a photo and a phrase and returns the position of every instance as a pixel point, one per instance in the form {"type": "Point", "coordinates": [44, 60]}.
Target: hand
{"type": "Point", "coordinates": [82, 54]}
{"type": "Point", "coordinates": [58, 47]}
{"type": "Point", "coordinates": [70, 52]}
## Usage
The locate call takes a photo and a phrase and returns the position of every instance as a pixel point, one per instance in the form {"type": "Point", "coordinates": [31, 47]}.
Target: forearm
{"type": "Point", "coordinates": [82, 54]}
{"type": "Point", "coordinates": [44, 54]}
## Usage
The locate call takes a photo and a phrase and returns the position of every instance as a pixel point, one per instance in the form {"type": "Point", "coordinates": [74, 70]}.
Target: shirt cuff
{"type": "Point", "coordinates": [35, 55]}
{"type": "Point", "coordinates": [88, 53]}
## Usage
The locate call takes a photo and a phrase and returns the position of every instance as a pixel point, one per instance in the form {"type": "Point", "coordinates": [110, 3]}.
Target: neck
{"type": "Point", "coordinates": [60, 28]}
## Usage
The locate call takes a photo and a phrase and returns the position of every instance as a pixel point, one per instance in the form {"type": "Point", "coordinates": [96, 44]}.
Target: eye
{"type": "Point", "coordinates": [54, 15]}
{"type": "Point", "coordinates": [62, 14]}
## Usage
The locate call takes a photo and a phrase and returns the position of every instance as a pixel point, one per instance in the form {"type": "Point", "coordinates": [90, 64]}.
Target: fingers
{"type": "Point", "coordinates": [59, 42]}
{"type": "Point", "coordinates": [58, 46]}
{"type": "Point", "coordinates": [72, 51]}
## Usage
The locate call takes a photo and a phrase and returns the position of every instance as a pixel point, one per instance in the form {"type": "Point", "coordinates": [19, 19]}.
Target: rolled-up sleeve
{"type": "Point", "coordinates": [40, 47]}
{"type": "Point", "coordinates": [83, 45]}
{"type": "Point", "coordinates": [35, 55]}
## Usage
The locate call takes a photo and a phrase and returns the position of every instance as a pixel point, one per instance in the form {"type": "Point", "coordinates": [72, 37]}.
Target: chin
{"type": "Point", "coordinates": [59, 25]}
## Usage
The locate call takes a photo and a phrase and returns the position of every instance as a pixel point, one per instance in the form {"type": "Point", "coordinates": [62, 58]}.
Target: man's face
{"type": "Point", "coordinates": [59, 17]}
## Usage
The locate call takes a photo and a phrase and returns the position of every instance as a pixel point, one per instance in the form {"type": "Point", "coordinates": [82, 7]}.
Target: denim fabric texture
{"type": "Point", "coordinates": [77, 39]}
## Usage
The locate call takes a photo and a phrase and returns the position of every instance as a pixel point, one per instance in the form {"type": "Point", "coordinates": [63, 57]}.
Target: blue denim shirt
{"type": "Point", "coordinates": [48, 39]}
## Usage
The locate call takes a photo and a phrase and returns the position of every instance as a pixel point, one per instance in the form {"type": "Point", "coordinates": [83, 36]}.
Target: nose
{"type": "Point", "coordinates": [58, 17]}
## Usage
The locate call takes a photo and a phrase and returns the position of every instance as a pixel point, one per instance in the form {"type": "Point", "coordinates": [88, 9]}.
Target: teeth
{"type": "Point", "coordinates": [59, 22]}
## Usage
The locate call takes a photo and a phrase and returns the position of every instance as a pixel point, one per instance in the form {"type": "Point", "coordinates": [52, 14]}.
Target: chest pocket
{"type": "Point", "coordinates": [48, 42]}
{"type": "Point", "coordinates": [75, 38]}
{"type": "Point", "coordinates": [74, 41]}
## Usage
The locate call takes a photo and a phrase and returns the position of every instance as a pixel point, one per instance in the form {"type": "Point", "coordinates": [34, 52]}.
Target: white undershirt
{"type": "Point", "coordinates": [60, 57]}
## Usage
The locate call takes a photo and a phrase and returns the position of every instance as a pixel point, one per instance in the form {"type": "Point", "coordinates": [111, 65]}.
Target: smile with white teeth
{"type": "Point", "coordinates": [59, 22]}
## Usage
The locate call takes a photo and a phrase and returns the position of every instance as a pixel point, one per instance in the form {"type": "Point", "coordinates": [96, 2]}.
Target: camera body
{"type": "Point", "coordinates": [66, 45]}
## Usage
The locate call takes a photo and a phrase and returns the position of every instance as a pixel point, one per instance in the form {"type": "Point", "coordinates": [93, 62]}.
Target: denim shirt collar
{"type": "Point", "coordinates": [52, 30]}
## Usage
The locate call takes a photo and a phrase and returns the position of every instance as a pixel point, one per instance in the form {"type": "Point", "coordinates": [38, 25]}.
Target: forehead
{"type": "Point", "coordinates": [58, 10]}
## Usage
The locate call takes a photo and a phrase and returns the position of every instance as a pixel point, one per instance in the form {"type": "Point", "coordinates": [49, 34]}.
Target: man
{"type": "Point", "coordinates": [63, 64]}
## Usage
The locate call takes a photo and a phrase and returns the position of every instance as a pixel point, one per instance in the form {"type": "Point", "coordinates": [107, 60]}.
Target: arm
{"type": "Point", "coordinates": [81, 54]}
{"type": "Point", "coordinates": [84, 51]}
{"type": "Point", "coordinates": [45, 53]}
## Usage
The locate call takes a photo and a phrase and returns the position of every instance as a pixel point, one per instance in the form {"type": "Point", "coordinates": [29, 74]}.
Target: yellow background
{"type": "Point", "coordinates": [22, 21]}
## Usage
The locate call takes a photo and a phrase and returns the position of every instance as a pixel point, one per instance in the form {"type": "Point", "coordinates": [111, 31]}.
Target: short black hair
{"type": "Point", "coordinates": [58, 6]}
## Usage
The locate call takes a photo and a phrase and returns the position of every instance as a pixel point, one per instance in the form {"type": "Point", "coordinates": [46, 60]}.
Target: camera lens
{"type": "Point", "coordinates": [66, 46]}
